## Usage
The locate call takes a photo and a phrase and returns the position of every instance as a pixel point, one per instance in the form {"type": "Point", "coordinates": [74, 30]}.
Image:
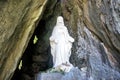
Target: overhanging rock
{"type": "Point", "coordinates": [17, 23]}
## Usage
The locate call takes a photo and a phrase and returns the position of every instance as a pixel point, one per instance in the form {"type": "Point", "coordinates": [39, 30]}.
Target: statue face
{"type": "Point", "coordinates": [60, 21]}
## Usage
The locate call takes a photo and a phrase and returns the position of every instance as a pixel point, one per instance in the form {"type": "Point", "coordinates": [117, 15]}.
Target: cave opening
{"type": "Point", "coordinates": [36, 57]}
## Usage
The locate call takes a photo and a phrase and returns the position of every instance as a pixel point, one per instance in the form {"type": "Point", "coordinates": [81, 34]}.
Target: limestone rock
{"type": "Point", "coordinates": [96, 32]}
{"type": "Point", "coordinates": [74, 74]}
{"type": "Point", "coordinates": [17, 23]}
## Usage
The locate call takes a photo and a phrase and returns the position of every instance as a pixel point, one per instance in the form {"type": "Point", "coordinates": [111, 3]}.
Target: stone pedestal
{"type": "Point", "coordinates": [49, 76]}
{"type": "Point", "coordinates": [74, 74]}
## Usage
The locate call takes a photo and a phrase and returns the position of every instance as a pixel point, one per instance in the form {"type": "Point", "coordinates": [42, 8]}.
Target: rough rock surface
{"type": "Point", "coordinates": [74, 74]}
{"type": "Point", "coordinates": [17, 23]}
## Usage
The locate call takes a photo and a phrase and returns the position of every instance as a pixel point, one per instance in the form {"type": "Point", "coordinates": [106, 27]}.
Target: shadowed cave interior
{"type": "Point", "coordinates": [36, 56]}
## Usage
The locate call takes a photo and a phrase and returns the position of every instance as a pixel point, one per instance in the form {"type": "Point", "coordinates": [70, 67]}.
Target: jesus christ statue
{"type": "Point", "coordinates": [61, 44]}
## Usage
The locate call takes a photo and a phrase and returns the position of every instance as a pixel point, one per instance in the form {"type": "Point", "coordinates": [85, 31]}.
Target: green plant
{"type": "Point", "coordinates": [35, 40]}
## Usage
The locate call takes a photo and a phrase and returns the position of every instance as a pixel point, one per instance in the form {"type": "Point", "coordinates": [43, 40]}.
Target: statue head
{"type": "Point", "coordinates": [60, 21]}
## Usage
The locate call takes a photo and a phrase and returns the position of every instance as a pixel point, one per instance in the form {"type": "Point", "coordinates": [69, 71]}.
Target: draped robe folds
{"type": "Point", "coordinates": [61, 44]}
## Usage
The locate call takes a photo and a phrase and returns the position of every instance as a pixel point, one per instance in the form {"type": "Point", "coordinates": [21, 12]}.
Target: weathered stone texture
{"type": "Point", "coordinates": [100, 17]}
{"type": "Point", "coordinates": [94, 24]}
{"type": "Point", "coordinates": [18, 19]}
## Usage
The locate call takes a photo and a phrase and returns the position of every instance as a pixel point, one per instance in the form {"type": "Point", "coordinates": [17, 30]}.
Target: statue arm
{"type": "Point", "coordinates": [53, 40]}
{"type": "Point", "coordinates": [69, 37]}
{"type": "Point", "coordinates": [53, 34]}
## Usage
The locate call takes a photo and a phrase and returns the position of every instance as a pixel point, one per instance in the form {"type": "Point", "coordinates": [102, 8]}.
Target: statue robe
{"type": "Point", "coordinates": [61, 43]}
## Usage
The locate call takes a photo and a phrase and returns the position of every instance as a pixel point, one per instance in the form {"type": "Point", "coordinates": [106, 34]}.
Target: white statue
{"type": "Point", "coordinates": [61, 44]}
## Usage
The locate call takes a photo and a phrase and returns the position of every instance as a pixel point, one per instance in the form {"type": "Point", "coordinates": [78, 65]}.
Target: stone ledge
{"type": "Point", "coordinates": [74, 74]}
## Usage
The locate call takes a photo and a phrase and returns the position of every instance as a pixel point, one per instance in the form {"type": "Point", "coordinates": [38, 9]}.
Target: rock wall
{"type": "Point", "coordinates": [18, 20]}
{"type": "Point", "coordinates": [94, 25]}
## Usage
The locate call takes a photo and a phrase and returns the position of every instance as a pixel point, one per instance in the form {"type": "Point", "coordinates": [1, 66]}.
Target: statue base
{"type": "Point", "coordinates": [74, 74]}
{"type": "Point", "coordinates": [65, 67]}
